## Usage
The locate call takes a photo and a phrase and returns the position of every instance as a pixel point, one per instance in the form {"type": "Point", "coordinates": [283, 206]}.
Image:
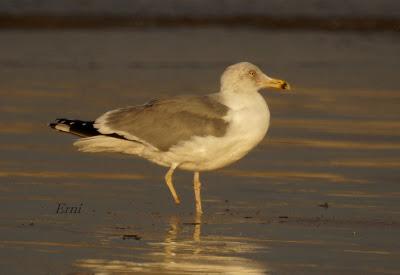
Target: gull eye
{"type": "Point", "coordinates": [252, 73]}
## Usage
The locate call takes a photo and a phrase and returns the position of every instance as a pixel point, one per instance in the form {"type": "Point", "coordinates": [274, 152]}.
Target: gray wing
{"type": "Point", "coordinates": [164, 123]}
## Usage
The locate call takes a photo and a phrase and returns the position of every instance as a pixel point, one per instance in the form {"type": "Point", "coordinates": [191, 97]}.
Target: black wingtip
{"type": "Point", "coordinates": [75, 127]}
{"type": "Point", "coordinates": [52, 125]}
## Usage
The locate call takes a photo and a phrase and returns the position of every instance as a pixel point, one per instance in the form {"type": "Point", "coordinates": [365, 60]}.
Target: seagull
{"type": "Point", "coordinates": [194, 133]}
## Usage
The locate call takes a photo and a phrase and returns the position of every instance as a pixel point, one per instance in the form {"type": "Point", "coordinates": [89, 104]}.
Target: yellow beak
{"type": "Point", "coordinates": [276, 83]}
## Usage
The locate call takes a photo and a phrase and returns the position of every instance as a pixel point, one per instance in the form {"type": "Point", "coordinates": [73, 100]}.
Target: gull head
{"type": "Point", "coordinates": [247, 77]}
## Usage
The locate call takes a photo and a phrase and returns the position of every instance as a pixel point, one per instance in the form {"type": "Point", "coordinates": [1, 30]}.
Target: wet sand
{"type": "Point", "coordinates": [320, 195]}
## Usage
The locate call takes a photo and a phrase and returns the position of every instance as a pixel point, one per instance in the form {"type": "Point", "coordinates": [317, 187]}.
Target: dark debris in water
{"type": "Point", "coordinates": [28, 224]}
{"type": "Point", "coordinates": [131, 236]}
{"type": "Point", "coordinates": [324, 205]}
{"type": "Point", "coordinates": [191, 223]}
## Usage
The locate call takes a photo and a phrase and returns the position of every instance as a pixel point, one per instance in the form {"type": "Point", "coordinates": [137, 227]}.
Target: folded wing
{"type": "Point", "coordinates": [164, 123]}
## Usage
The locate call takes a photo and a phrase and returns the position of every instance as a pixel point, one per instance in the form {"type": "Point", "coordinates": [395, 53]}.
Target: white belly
{"type": "Point", "coordinates": [248, 126]}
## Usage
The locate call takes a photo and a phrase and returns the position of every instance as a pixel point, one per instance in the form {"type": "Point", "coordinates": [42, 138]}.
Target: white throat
{"type": "Point", "coordinates": [236, 99]}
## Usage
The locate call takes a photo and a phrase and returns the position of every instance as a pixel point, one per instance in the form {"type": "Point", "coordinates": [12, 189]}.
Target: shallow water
{"type": "Point", "coordinates": [319, 195]}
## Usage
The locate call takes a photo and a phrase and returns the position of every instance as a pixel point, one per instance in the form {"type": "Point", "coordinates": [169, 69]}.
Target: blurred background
{"type": "Point", "coordinates": [273, 14]}
{"type": "Point", "coordinates": [319, 195]}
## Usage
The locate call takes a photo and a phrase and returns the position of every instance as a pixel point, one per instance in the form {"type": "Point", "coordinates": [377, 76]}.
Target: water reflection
{"type": "Point", "coordinates": [178, 254]}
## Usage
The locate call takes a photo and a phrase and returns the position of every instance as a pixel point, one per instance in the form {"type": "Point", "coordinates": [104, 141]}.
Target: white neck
{"type": "Point", "coordinates": [236, 99]}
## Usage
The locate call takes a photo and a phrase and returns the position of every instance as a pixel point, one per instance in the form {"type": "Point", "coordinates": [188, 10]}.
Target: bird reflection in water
{"type": "Point", "coordinates": [177, 255]}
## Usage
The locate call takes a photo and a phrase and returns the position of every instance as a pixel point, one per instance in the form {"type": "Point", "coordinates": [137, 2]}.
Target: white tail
{"type": "Point", "coordinates": [108, 144]}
